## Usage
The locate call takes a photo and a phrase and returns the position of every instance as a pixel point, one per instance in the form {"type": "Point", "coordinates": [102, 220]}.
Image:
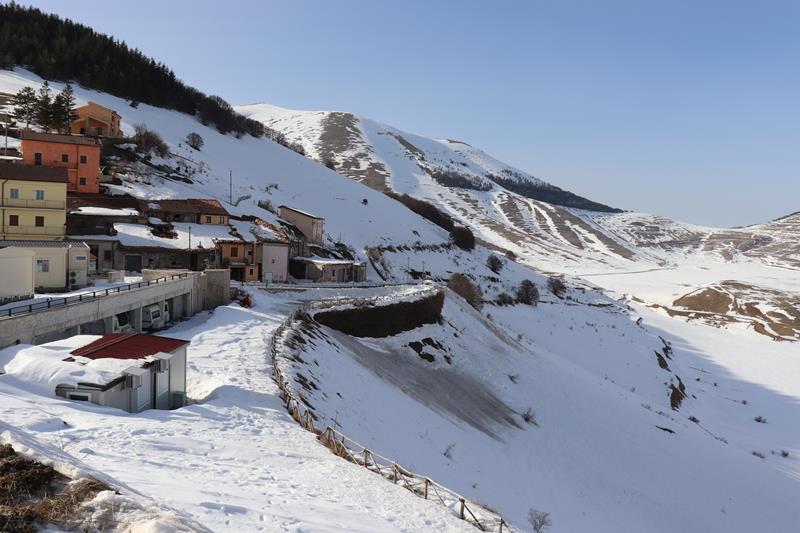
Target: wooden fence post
{"type": "Point", "coordinates": [427, 483]}
{"type": "Point", "coordinates": [462, 508]}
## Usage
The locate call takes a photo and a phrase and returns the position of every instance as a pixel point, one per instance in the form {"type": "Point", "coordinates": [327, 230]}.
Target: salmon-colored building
{"type": "Point", "coordinates": [240, 258]}
{"type": "Point", "coordinates": [80, 155]}
{"type": "Point", "coordinates": [96, 120]}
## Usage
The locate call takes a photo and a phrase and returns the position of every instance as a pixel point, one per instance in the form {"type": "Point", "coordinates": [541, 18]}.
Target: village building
{"type": "Point", "coordinates": [197, 210]}
{"type": "Point", "coordinates": [32, 202]}
{"type": "Point", "coordinates": [16, 274]}
{"type": "Point", "coordinates": [312, 226]}
{"type": "Point", "coordinates": [79, 155]}
{"type": "Point", "coordinates": [272, 252]}
{"type": "Point", "coordinates": [323, 269]}
{"type": "Point", "coordinates": [240, 257]}
{"type": "Point", "coordinates": [57, 265]}
{"type": "Point", "coordinates": [95, 120]}
{"type": "Point", "coordinates": [128, 371]}
{"type": "Point", "coordinates": [92, 219]}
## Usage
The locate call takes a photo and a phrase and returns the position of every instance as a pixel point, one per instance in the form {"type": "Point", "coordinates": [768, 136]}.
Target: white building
{"type": "Point", "coordinates": [128, 371]}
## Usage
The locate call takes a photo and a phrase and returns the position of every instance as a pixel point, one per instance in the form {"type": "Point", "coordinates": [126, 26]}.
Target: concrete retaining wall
{"type": "Point", "coordinates": [189, 295]}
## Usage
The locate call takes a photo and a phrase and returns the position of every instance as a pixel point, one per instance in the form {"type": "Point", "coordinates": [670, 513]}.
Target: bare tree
{"type": "Point", "coordinates": [195, 140]}
{"type": "Point", "coordinates": [539, 520]}
{"type": "Point", "coordinates": [527, 293]}
{"type": "Point", "coordinates": [494, 263]}
{"type": "Point", "coordinates": [467, 289]}
{"type": "Point", "coordinates": [556, 286]}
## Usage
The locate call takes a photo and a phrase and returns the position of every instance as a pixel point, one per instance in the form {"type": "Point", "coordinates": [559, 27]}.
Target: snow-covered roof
{"type": "Point", "coordinates": [326, 261]}
{"type": "Point", "coordinates": [44, 367]}
{"type": "Point", "coordinates": [189, 236]}
{"type": "Point", "coordinates": [106, 211]}
{"type": "Point", "coordinates": [304, 213]}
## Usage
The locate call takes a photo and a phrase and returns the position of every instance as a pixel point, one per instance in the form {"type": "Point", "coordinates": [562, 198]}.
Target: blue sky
{"type": "Point", "coordinates": [689, 109]}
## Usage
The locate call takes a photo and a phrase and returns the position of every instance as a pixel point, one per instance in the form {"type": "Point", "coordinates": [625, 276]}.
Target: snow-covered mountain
{"type": "Point", "coordinates": [645, 415]}
{"type": "Point", "coordinates": [545, 226]}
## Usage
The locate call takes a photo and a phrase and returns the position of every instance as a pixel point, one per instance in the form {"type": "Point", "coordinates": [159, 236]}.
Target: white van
{"type": "Point", "coordinates": [155, 316]}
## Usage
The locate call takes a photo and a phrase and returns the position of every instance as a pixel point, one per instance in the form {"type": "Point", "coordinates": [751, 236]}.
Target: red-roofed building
{"type": "Point", "coordinates": [128, 346]}
{"type": "Point", "coordinates": [155, 379]}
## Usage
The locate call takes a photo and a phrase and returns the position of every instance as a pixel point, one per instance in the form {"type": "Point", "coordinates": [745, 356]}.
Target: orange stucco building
{"type": "Point", "coordinates": [80, 155]}
{"type": "Point", "coordinates": [96, 120]}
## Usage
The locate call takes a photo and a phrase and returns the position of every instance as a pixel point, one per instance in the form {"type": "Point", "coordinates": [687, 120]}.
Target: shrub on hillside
{"type": "Point", "coordinates": [424, 209]}
{"type": "Point", "coordinates": [462, 237]}
{"type": "Point", "coordinates": [149, 141]}
{"type": "Point", "coordinates": [195, 140]}
{"type": "Point", "coordinates": [527, 293]}
{"type": "Point", "coordinates": [453, 178]}
{"type": "Point", "coordinates": [510, 255]}
{"type": "Point", "coordinates": [494, 263]}
{"type": "Point", "coordinates": [467, 289]}
{"type": "Point", "coordinates": [504, 299]}
{"type": "Point", "coordinates": [556, 286]}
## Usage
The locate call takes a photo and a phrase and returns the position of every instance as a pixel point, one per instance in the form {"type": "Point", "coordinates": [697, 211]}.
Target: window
{"type": "Point", "coordinates": [99, 131]}
{"type": "Point", "coordinates": [83, 160]}
{"type": "Point", "coordinates": [82, 180]}
{"type": "Point", "coordinates": [39, 222]}
{"type": "Point", "coordinates": [39, 194]}
{"type": "Point", "coordinates": [78, 397]}
{"type": "Point", "coordinates": [234, 251]}
{"type": "Point", "coordinates": [251, 271]}
{"type": "Point", "coordinates": [65, 158]}
{"type": "Point", "coordinates": [208, 219]}
{"type": "Point", "coordinates": [221, 220]}
{"type": "Point", "coordinates": [37, 158]}
{"type": "Point", "coordinates": [15, 194]}
{"type": "Point", "coordinates": [107, 255]}
{"type": "Point", "coordinates": [42, 265]}
{"type": "Point", "coordinates": [13, 220]}
{"type": "Point", "coordinates": [83, 131]}
{"type": "Point", "coordinates": [80, 258]}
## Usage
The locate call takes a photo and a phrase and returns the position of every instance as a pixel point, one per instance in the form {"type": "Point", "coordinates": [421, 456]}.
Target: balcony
{"type": "Point", "coordinates": [33, 204]}
{"type": "Point", "coordinates": [53, 231]}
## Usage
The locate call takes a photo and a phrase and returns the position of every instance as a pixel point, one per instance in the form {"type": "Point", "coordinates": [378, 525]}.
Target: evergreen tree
{"type": "Point", "coordinates": [60, 49]}
{"type": "Point", "coordinates": [25, 106]}
{"type": "Point", "coordinates": [44, 107]}
{"type": "Point", "coordinates": [63, 109]}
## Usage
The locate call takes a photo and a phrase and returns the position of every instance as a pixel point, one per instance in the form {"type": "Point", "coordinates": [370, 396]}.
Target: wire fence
{"type": "Point", "coordinates": [480, 516]}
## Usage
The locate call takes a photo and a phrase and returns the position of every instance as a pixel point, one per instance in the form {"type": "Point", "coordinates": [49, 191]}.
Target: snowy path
{"type": "Point", "coordinates": [235, 460]}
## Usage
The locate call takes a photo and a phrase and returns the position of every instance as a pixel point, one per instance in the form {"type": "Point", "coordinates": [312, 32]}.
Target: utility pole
{"type": "Point", "coordinates": [190, 239]}
{"type": "Point", "coordinates": [230, 179]}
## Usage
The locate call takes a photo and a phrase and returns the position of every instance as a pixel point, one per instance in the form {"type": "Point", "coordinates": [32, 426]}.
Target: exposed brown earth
{"type": "Point", "coordinates": [34, 495]}
{"type": "Point", "coordinates": [341, 134]}
{"type": "Point", "coordinates": [771, 312]}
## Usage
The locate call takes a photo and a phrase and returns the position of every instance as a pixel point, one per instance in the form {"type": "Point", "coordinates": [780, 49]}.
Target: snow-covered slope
{"type": "Point", "coordinates": [615, 430]}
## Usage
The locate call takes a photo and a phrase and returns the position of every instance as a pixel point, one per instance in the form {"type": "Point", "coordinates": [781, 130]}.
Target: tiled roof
{"type": "Point", "coordinates": [128, 346]}
{"type": "Point", "coordinates": [58, 138]}
{"type": "Point", "coordinates": [205, 206]}
{"type": "Point", "coordinates": [16, 171]}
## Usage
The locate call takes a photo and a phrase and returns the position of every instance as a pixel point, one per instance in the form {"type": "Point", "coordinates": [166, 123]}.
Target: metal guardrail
{"type": "Point", "coordinates": [52, 303]}
{"type": "Point", "coordinates": [328, 285]}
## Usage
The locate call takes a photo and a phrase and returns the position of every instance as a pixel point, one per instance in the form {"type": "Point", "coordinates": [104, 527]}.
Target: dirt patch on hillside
{"type": "Point", "coordinates": [771, 312]}
{"type": "Point", "coordinates": [341, 140]}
